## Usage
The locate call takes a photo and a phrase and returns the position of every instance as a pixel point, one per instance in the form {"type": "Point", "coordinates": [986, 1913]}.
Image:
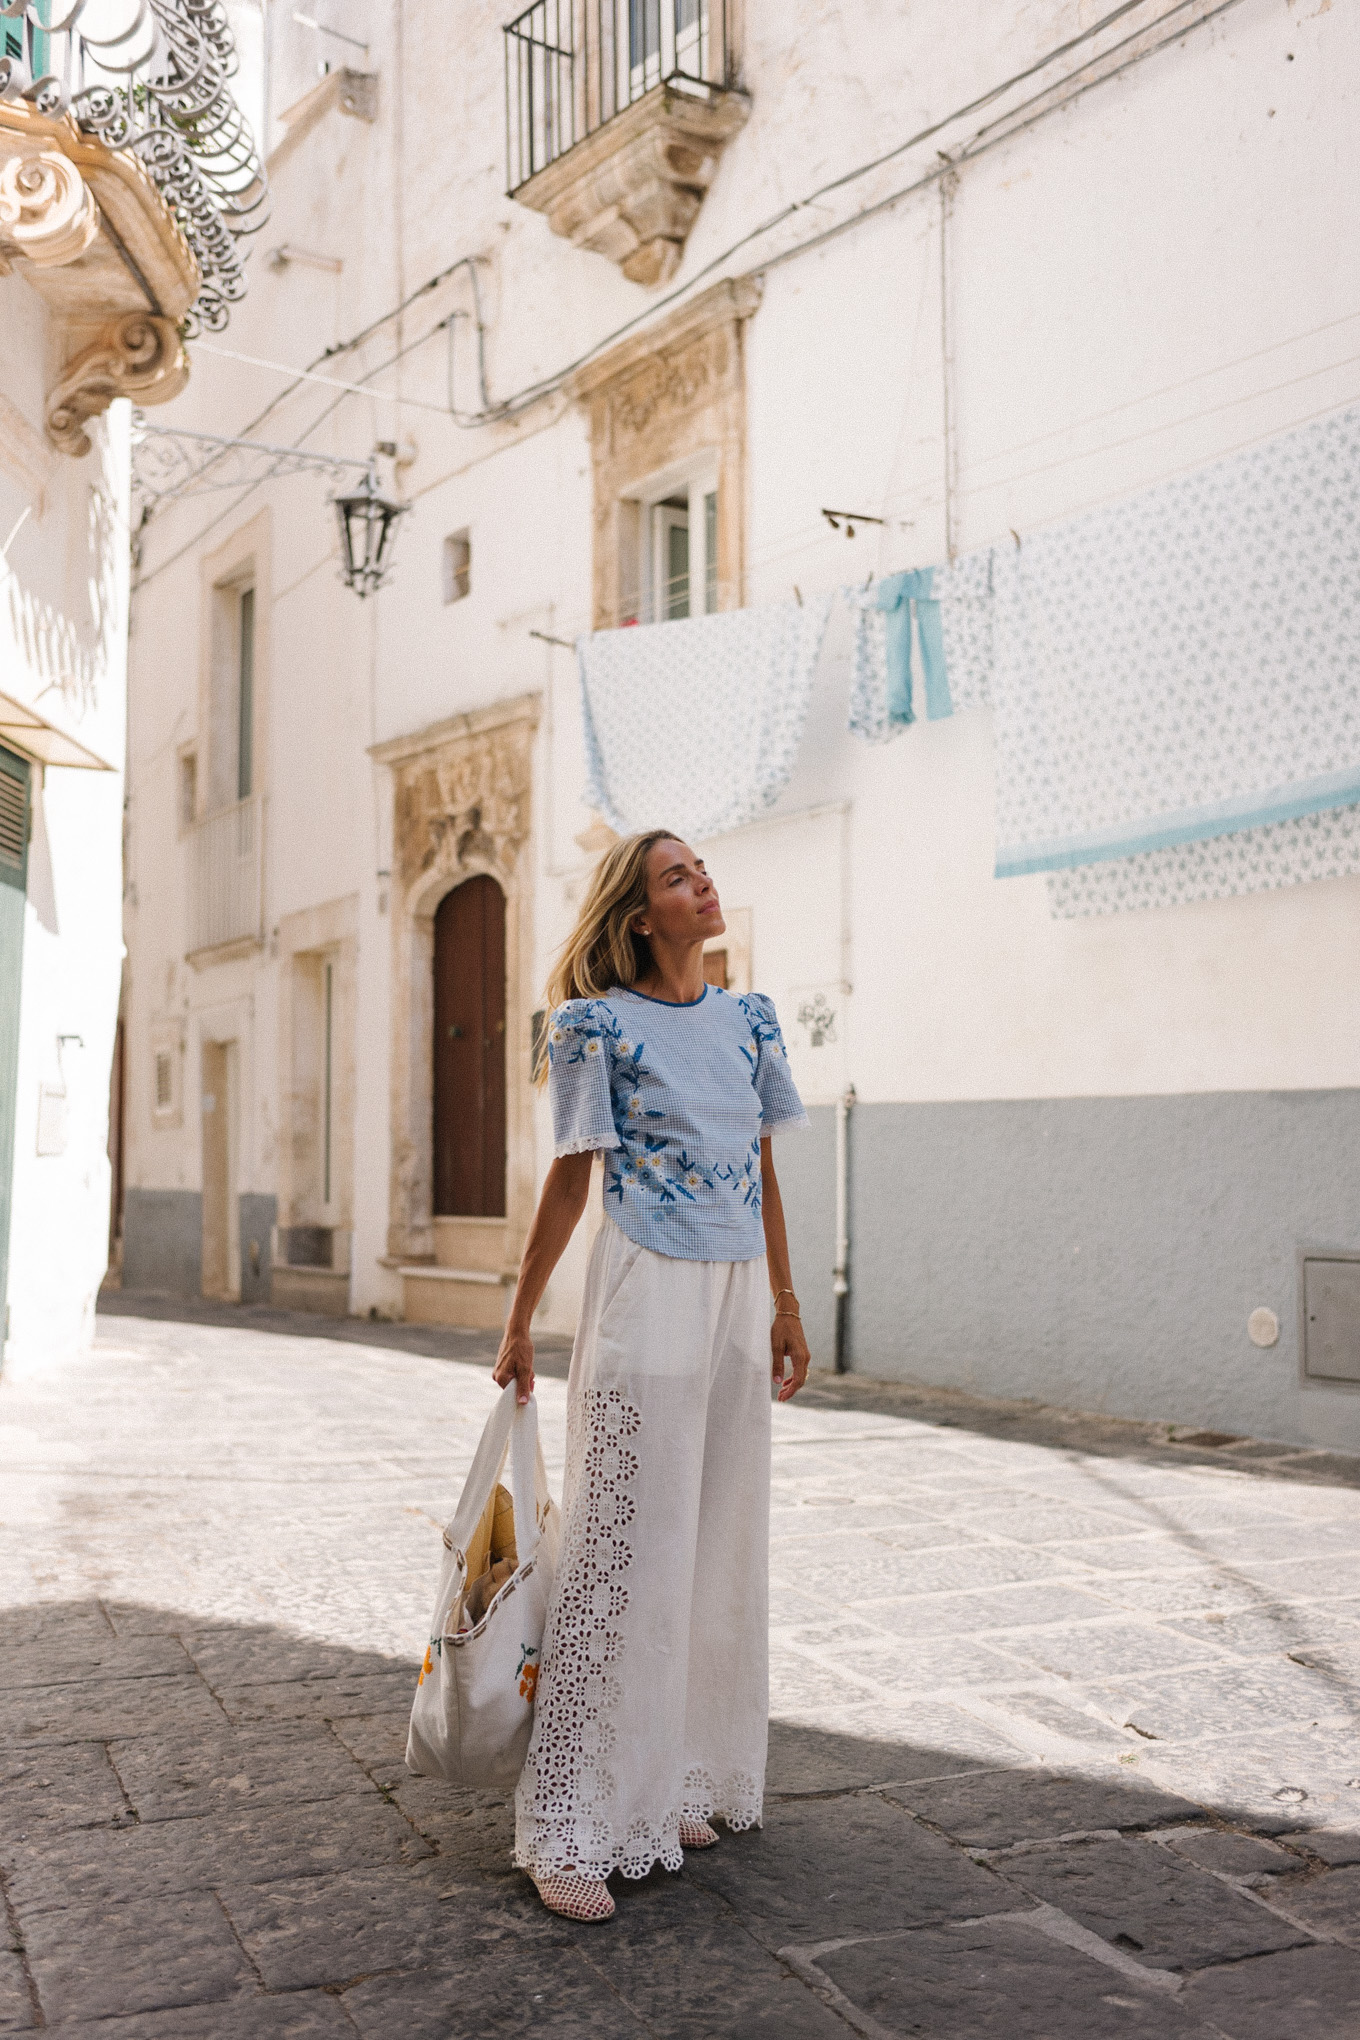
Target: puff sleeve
{"type": "Point", "coordinates": [579, 1078]}
{"type": "Point", "coordinates": [780, 1105]}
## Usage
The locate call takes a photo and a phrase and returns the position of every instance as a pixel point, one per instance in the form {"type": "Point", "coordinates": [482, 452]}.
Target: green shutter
{"type": "Point", "coordinates": [14, 821]}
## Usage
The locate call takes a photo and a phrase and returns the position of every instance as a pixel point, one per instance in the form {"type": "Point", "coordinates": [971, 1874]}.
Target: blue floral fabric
{"type": "Point", "coordinates": [680, 1098]}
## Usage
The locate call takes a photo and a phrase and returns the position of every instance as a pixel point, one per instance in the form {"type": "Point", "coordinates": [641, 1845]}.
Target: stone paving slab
{"type": "Point", "coordinates": [511, 1991]}
{"type": "Point", "coordinates": [90, 1660]}
{"type": "Point", "coordinates": [301, 2015]}
{"type": "Point", "coordinates": [156, 1859]}
{"type": "Point", "coordinates": [17, 2014]}
{"type": "Point", "coordinates": [77, 1789]}
{"type": "Point", "coordinates": [1328, 1903]}
{"type": "Point", "coordinates": [846, 1866]}
{"type": "Point", "coordinates": [999, 1810]}
{"type": "Point", "coordinates": [1312, 1993]}
{"type": "Point", "coordinates": [1137, 1896]}
{"type": "Point", "coordinates": [136, 1955]}
{"type": "Point", "coordinates": [1064, 1742]}
{"type": "Point", "coordinates": [995, 1977]}
{"type": "Point", "coordinates": [173, 1777]}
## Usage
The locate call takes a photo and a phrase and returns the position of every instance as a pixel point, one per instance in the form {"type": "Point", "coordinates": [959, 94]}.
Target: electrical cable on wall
{"type": "Point", "coordinates": [986, 139]}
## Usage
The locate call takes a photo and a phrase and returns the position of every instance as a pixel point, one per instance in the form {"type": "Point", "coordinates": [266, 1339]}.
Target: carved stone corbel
{"type": "Point", "coordinates": [138, 355]}
{"type": "Point", "coordinates": [632, 190]}
{"type": "Point", "coordinates": [47, 210]}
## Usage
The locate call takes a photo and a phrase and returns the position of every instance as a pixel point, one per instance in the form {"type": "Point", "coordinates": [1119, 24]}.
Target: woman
{"type": "Point", "coordinates": [652, 1699]}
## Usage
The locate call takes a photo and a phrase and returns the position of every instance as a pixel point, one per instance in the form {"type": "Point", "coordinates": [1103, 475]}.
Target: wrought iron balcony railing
{"type": "Point", "coordinates": [226, 876]}
{"type": "Point", "coordinates": [572, 65]}
{"type": "Point", "coordinates": [152, 77]}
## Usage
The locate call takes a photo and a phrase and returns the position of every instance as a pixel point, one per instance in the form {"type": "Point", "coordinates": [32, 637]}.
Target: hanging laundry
{"type": "Point", "coordinates": [1183, 665]}
{"type": "Point", "coordinates": [696, 724]}
{"type": "Point", "coordinates": [947, 610]}
{"type": "Point", "coordinates": [1296, 852]}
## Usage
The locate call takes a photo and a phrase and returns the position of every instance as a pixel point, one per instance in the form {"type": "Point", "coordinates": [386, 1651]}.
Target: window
{"type": "Point", "coordinates": [245, 694]}
{"type": "Point", "coordinates": [188, 789]}
{"type": "Point", "coordinates": [665, 34]}
{"type": "Point", "coordinates": [670, 558]}
{"type": "Point", "coordinates": [166, 1073]}
{"type": "Point", "coordinates": [457, 566]}
{"type": "Point", "coordinates": [226, 772]}
{"type": "Point", "coordinates": [13, 817]}
{"type": "Point", "coordinates": [679, 555]}
{"type": "Point", "coordinates": [327, 1075]}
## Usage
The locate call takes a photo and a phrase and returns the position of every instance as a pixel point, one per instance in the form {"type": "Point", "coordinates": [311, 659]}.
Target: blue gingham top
{"type": "Point", "coordinates": [680, 1097]}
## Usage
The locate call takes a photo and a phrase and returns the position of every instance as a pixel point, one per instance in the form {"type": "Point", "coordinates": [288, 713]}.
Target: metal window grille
{"type": "Point", "coordinates": [457, 566]}
{"type": "Point", "coordinates": [572, 65]}
{"type": "Point", "coordinates": [152, 78]}
{"type": "Point", "coordinates": [227, 870]}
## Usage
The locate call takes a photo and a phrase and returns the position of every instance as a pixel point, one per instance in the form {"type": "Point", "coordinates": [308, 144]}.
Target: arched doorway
{"type": "Point", "coordinates": [469, 1051]}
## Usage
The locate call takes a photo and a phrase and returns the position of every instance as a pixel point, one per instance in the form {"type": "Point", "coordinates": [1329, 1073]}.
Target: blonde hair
{"type": "Point", "coordinates": [603, 949]}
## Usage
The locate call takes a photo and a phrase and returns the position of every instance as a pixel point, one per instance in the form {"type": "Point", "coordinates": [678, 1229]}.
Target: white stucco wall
{"type": "Point", "coordinates": [1142, 281]}
{"type": "Point", "coordinates": [63, 615]}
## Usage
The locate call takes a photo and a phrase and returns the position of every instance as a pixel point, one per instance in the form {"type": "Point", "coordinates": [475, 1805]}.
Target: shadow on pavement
{"type": "Point", "coordinates": [209, 1830]}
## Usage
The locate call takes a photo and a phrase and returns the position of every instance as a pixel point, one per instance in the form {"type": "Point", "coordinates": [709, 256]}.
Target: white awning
{"type": "Point", "coordinates": [27, 731]}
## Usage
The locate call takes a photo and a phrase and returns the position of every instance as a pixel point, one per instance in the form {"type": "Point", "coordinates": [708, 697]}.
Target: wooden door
{"type": "Point", "coordinates": [469, 1052]}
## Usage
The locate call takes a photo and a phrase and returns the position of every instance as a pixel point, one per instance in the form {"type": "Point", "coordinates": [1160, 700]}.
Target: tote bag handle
{"type": "Point", "coordinates": [513, 1425]}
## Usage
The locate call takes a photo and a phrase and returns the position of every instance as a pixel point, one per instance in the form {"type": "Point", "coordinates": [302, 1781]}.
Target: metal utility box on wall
{"type": "Point", "coordinates": [1329, 1314]}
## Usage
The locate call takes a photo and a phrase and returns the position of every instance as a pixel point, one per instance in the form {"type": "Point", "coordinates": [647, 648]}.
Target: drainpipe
{"type": "Point", "coordinates": [840, 1273]}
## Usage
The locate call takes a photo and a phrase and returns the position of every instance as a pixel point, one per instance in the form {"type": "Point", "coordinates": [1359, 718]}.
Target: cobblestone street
{"type": "Point", "coordinates": [1063, 1740]}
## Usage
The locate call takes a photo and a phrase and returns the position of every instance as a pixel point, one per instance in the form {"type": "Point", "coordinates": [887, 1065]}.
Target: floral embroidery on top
{"type": "Point", "coordinates": [679, 1098]}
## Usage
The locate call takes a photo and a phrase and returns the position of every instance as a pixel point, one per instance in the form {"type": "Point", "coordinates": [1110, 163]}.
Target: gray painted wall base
{"type": "Point", "coordinates": [259, 1212]}
{"type": "Point", "coordinates": [163, 1242]}
{"type": "Point", "coordinates": [1097, 1253]}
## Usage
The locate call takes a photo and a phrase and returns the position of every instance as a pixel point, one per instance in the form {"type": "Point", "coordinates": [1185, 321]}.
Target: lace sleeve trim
{"type": "Point", "coordinates": [594, 1143]}
{"type": "Point", "coordinates": [795, 1123]}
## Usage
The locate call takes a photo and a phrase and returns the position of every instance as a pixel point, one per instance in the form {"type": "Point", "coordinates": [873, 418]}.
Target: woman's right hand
{"type": "Point", "coordinates": [515, 1362]}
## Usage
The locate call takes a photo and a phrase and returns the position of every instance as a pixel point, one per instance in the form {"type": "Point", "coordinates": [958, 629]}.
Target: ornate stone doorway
{"type": "Point", "coordinates": [460, 826]}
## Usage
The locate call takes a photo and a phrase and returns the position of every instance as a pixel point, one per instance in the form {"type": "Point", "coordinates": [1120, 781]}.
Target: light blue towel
{"type": "Point", "coordinates": [947, 610]}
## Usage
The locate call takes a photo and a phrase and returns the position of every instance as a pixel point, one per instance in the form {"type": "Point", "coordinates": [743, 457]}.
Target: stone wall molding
{"type": "Point", "coordinates": [138, 356]}
{"type": "Point", "coordinates": [632, 190]}
{"type": "Point", "coordinates": [46, 208]}
{"type": "Point", "coordinates": [461, 805]}
{"type": "Point", "coordinates": [661, 398]}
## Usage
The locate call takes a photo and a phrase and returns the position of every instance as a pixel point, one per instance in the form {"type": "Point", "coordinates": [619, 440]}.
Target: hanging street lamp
{"type": "Point", "coordinates": [368, 522]}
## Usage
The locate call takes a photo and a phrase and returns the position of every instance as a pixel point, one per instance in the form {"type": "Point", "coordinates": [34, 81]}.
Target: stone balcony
{"type": "Point", "coordinates": [128, 180]}
{"type": "Point", "coordinates": [87, 228]}
{"type": "Point", "coordinates": [632, 190]}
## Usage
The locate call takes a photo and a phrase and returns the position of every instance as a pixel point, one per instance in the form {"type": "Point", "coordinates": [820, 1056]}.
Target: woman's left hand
{"type": "Point", "coordinates": [787, 1343]}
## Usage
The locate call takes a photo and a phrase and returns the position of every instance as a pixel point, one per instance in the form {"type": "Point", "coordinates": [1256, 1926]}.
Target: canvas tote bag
{"type": "Point", "coordinates": [474, 1704]}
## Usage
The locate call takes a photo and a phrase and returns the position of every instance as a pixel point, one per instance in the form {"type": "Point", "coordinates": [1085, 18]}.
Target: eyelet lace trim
{"type": "Point", "coordinates": [595, 1143]}
{"type": "Point", "coordinates": [567, 1787]}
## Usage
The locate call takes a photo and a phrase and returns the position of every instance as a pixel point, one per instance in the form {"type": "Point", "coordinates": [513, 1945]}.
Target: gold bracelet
{"type": "Point", "coordinates": [784, 1292]}
{"type": "Point", "coordinates": [795, 1314]}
